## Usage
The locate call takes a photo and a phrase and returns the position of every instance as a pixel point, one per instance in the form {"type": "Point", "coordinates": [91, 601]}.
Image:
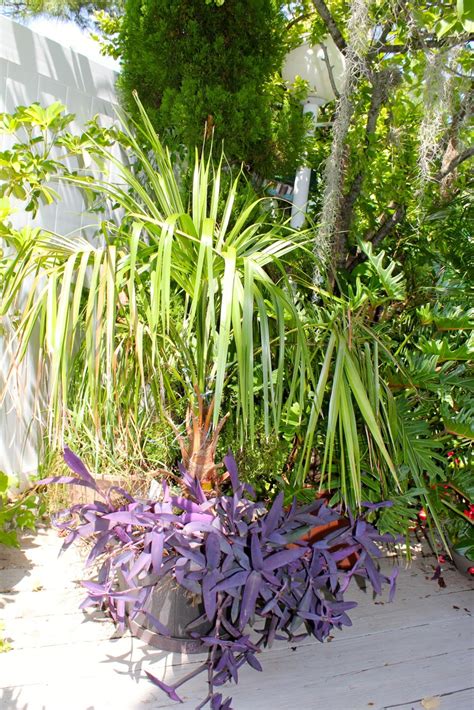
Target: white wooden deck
{"type": "Point", "coordinates": [414, 654]}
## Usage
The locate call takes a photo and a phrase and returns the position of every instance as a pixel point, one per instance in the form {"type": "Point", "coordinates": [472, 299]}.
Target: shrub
{"type": "Point", "coordinates": [198, 67]}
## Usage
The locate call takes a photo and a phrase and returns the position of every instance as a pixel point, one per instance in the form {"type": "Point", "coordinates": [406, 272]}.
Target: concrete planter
{"type": "Point", "coordinates": [175, 608]}
{"type": "Point", "coordinates": [461, 562]}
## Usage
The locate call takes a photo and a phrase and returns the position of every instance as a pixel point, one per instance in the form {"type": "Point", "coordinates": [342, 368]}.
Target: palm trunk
{"type": "Point", "coordinates": [198, 446]}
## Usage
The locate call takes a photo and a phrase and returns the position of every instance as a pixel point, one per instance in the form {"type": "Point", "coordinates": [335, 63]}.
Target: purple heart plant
{"type": "Point", "coordinates": [250, 566]}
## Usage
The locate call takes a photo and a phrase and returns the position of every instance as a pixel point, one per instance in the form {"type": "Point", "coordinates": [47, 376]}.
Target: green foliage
{"type": "Point", "coordinates": [210, 69]}
{"type": "Point", "coordinates": [175, 298]}
{"type": "Point", "coordinates": [27, 166]}
{"type": "Point", "coordinates": [408, 128]}
{"type": "Point", "coordinates": [362, 391]}
{"type": "Point", "coordinates": [263, 463]}
{"type": "Point", "coordinates": [455, 502]}
{"type": "Point", "coordinates": [200, 297]}
{"type": "Point", "coordinates": [20, 513]}
{"type": "Point", "coordinates": [382, 279]}
{"type": "Point", "coordinates": [5, 646]}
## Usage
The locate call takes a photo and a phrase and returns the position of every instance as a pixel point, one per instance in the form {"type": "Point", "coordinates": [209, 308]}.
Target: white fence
{"type": "Point", "coordinates": [35, 68]}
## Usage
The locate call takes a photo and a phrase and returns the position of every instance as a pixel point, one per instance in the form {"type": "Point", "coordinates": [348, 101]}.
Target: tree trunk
{"type": "Point", "coordinates": [198, 446]}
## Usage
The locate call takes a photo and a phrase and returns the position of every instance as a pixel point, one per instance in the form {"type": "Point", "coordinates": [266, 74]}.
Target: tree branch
{"type": "Point", "coordinates": [333, 29]}
{"type": "Point", "coordinates": [455, 162]}
{"type": "Point", "coordinates": [386, 224]}
{"type": "Point", "coordinates": [381, 82]}
{"type": "Point", "coordinates": [400, 7]}
{"type": "Point", "coordinates": [429, 42]}
{"type": "Point", "coordinates": [390, 222]}
{"type": "Point", "coordinates": [330, 70]}
{"type": "Point", "coordinates": [299, 18]}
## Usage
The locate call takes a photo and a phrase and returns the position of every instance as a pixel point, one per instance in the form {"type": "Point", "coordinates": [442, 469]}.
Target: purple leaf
{"type": "Point", "coordinates": [198, 527]}
{"type": "Point", "coordinates": [185, 504]}
{"type": "Point", "coordinates": [217, 704]}
{"type": "Point", "coordinates": [231, 467]}
{"type": "Point", "coordinates": [193, 555]}
{"type": "Point", "coordinates": [252, 661]}
{"type": "Point", "coordinates": [270, 577]}
{"type": "Point", "coordinates": [344, 552]}
{"type": "Point", "coordinates": [197, 518]}
{"type": "Point", "coordinates": [341, 606]}
{"type": "Point", "coordinates": [235, 580]}
{"type": "Point", "coordinates": [95, 589]}
{"type": "Point", "coordinates": [127, 517]}
{"type": "Point", "coordinates": [156, 550]}
{"type": "Point", "coordinates": [393, 583]}
{"type": "Point", "coordinates": [98, 548]}
{"type": "Point", "coordinates": [168, 689]}
{"type": "Point", "coordinates": [272, 518]}
{"type": "Point", "coordinates": [193, 485]}
{"type": "Point", "coordinates": [251, 492]}
{"type": "Point", "coordinates": [120, 491]}
{"type": "Point", "coordinates": [373, 575]}
{"type": "Point", "coordinates": [249, 597]}
{"type": "Point", "coordinates": [216, 701]}
{"type": "Point", "coordinates": [269, 605]}
{"type": "Point", "coordinates": [240, 556]}
{"type": "Point", "coordinates": [213, 551]}
{"type": "Point", "coordinates": [76, 465]}
{"type": "Point", "coordinates": [256, 551]}
{"type": "Point", "coordinates": [161, 628]}
{"type": "Point", "coordinates": [88, 602]}
{"type": "Point", "coordinates": [232, 630]}
{"type": "Point", "coordinates": [70, 480]}
{"type": "Point", "coordinates": [332, 567]}
{"type": "Point", "coordinates": [376, 506]}
{"type": "Point", "coordinates": [209, 595]}
{"type": "Point", "coordinates": [214, 641]}
{"type": "Point", "coordinates": [142, 562]}
{"type": "Point", "coordinates": [278, 559]}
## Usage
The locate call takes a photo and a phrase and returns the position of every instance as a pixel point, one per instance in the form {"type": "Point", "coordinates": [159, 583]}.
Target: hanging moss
{"type": "Point", "coordinates": [358, 32]}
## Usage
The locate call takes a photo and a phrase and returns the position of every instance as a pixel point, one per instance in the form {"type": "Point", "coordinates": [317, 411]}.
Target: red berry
{"type": "Point", "coordinates": [457, 461]}
{"type": "Point", "coordinates": [470, 571]}
{"type": "Point", "coordinates": [441, 559]}
{"type": "Point", "coordinates": [422, 514]}
{"type": "Point", "coordinates": [450, 453]}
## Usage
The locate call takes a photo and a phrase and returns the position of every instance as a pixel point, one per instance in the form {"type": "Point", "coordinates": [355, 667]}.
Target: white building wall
{"type": "Point", "coordinates": [36, 68]}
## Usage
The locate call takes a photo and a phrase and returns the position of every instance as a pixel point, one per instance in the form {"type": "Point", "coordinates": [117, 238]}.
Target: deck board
{"type": "Point", "coordinates": [394, 655]}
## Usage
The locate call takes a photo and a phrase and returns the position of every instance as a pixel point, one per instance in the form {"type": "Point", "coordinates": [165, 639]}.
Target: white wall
{"type": "Point", "coordinates": [36, 68]}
